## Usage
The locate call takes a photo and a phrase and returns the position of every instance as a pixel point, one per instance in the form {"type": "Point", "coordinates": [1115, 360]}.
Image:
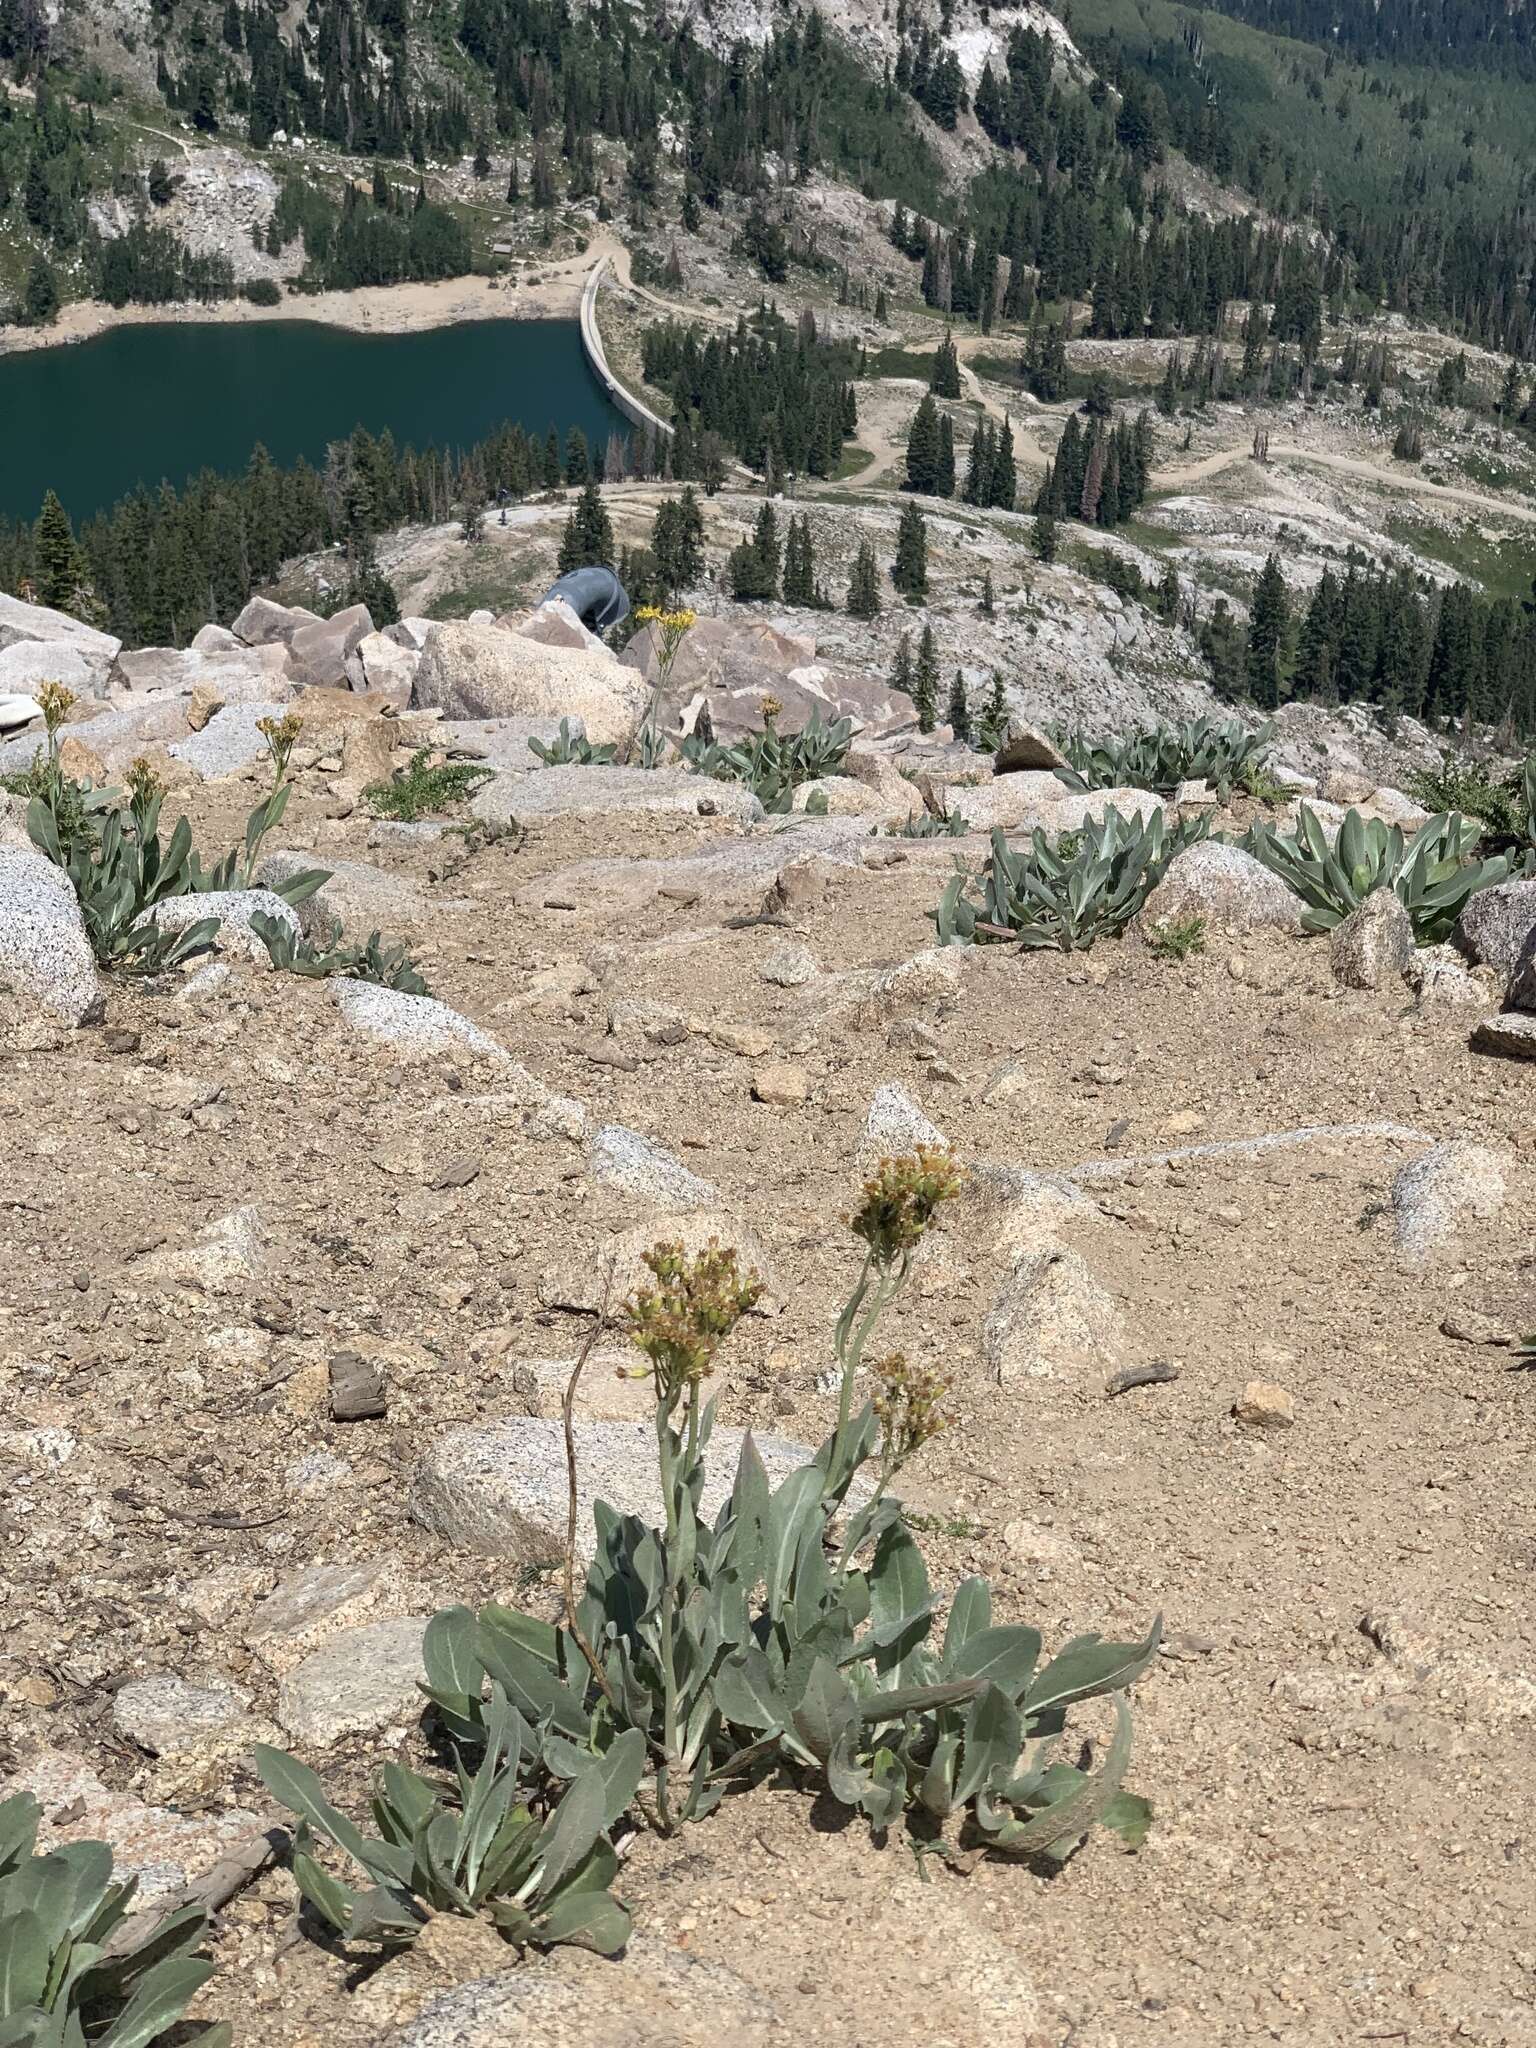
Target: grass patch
{"type": "Point", "coordinates": [1504, 566]}
{"type": "Point", "coordinates": [901, 362]}
{"type": "Point", "coordinates": [852, 460]}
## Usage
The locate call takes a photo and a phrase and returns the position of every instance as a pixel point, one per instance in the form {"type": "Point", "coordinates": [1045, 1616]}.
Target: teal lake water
{"type": "Point", "coordinates": [139, 404]}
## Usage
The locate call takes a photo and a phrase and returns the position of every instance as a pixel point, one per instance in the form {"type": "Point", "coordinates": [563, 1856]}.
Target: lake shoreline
{"type": "Point", "coordinates": [555, 294]}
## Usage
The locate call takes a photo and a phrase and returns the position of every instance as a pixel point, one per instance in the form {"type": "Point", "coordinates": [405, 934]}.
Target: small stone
{"type": "Point", "coordinates": [1512, 1033]}
{"type": "Point", "coordinates": [363, 1681]}
{"type": "Point", "coordinates": [499, 1488]}
{"type": "Point", "coordinates": [790, 966]}
{"type": "Point", "coordinates": [202, 705]}
{"type": "Point", "coordinates": [1184, 1123]}
{"type": "Point", "coordinates": [1432, 1195]}
{"type": "Point", "coordinates": [1374, 944]}
{"type": "Point", "coordinates": [783, 1086]}
{"type": "Point", "coordinates": [746, 1039]}
{"type": "Point", "coordinates": [630, 1164]}
{"type": "Point", "coordinates": [1265, 1405]}
{"type": "Point", "coordinates": [1468, 1326]}
{"type": "Point", "coordinates": [44, 952]}
{"type": "Point", "coordinates": [1050, 1317]}
{"type": "Point", "coordinates": [164, 1714]}
{"type": "Point", "coordinates": [895, 1125]}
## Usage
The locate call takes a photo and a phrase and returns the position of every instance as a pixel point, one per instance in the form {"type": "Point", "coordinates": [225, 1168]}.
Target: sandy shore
{"type": "Point", "coordinates": [550, 292]}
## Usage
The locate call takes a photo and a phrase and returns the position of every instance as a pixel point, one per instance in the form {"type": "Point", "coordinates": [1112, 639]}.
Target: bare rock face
{"type": "Point", "coordinates": [587, 792]}
{"type": "Point", "coordinates": [1051, 1317]}
{"type": "Point", "coordinates": [319, 653]}
{"type": "Point", "coordinates": [1512, 1034]}
{"type": "Point", "coordinates": [360, 1682]}
{"type": "Point", "coordinates": [23, 623]}
{"type": "Point", "coordinates": [263, 622]}
{"type": "Point", "coordinates": [1521, 994]}
{"type": "Point", "coordinates": [499, 1488]}
{"type": "Point", "coordinates": [1433, 1195]}
{"type": "Point", "coordinates": [1025, 746]}
{"type": "Point", "coordinates": [631, 1164]}
{"type": "Point", "coordinates": [1374, 945]}
{"type": "Point", "coordinates": [232, 910]}
{"type": "Point", "coordinates": [470, 671]}
{"type": "Point", "coordinates": [413, 1026]}
{"type": "Point", "coordinates": [1496, 923]}
{"type": "Point", "coordinates": [1225, 885]}
{"type": "Point", "coordinates": [44, 953]}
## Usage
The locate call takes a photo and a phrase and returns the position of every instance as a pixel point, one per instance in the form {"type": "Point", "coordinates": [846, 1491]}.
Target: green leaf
{"type": "Point", "coordinates": [450, 1653]}
{"type": "Point", "coordinates": [990, 1742]}
{"type": "Point", "coordinates": [297, 1787]}
{"type": "Point", "coordinates": [826, 1710]}
{"type": "Point", "coordinates": [299, 888]}
{"type": "Point", "coordinates": [1005, 1656]}
{"type": "Point", "coordinates": [24, 1958]}
{"type": "Point", "coordinates": [1088, 1666]}
{"type": "Point", "coordinates": [619, 1772]}
{"type": "Point", "coordinates": [572, 1830]}
{"type": "Point", "coordinates": [592, 1920]}
{"type": "Point", "coordinates": [331, 1899]}
{"type": "Point", "coordinates": [162, 1997]}
{"type": "Point", "coordinates": [900, 1604]}
{"type": "Point", "coordinates": [969, 1614]}
{"type": "Point", "coordinates": [19, 1818]}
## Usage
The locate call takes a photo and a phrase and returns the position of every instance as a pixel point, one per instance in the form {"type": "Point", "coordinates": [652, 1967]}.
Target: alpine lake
{"type": "Point", "coordinates": [158, 402]}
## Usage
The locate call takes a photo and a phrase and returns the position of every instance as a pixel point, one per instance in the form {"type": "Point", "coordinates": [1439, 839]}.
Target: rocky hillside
{"type": "Point", "coordinates": [299, 1265]}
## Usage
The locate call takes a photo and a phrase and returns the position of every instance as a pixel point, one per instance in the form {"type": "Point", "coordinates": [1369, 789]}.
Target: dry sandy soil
{"type": "Point", "coordinates": [1337, 1740]}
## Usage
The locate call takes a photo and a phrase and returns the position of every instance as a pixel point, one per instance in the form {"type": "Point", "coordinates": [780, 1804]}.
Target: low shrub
{"type": "Point", "coordinates": [423, 788]}
{"type": "Point", "coordinates": [1067, 893]}
{"type": "Point", "coordinates": [1177, 937]}
{"type": "Point", "coordinates": [794, 1633]}
{"type": "Point", "coordinates": [1505, 810]}
{"type": "Point", "coordinates": [1222, 753]}
{"type": "Point", "coordinates": [572, 749]}
{"type": "Point", "coordinates": [73, 1967]}
{"type": "Point", "coordinates": [262, 291]}
{"type": "Point", "coordinates": [386, 966]}
{"type": "Point", "coordinates": [1433, 873]}
{"type": "Point", "coordinates": [773, 764]}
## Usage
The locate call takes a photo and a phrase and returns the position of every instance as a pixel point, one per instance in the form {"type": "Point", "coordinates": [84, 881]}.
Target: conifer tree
{"type": "Point", "coordinates": [1043, 537]}
{"type": "Point", "coordinates": [945, 379]}
{"type": "Point", "coordinates": [587, 539]}
{"type": "Point", "coordinates": [60, 569]}
{"type": "Point", "coordinates": [901, 667]}
{"type": "Point", "coordinates": [925, 682]}
{"type": "Point", "coordinates": [925, 451]}
{"type": "Point", "coordinates": [958, 710]}
{"type": "Point", "coordinates": [988, 599]}
{"type": "Point", "coordinates": [1268, 618]}
{"type": "Point", "coordinates": [944, 480]}
{"type": "Point", "coordinates": [909, 572]}
{"type": "Point", "coordinates": [864, 585]}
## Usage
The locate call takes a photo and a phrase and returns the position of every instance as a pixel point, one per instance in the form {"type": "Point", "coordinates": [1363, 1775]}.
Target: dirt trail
{"type": "Point", "coordinates": [1345, 465]}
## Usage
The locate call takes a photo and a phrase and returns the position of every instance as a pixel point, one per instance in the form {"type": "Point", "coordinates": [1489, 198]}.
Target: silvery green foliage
{"type": "Point", "coordinates": [572, 749]}
{"type": "Point", "coordinates": [1220, 752]}
{"type": "Point", "coordinates": [773, 764]}
{"type": "Point", "coordinates": [71, 1972]}
{"type": "Point", "coordinates": [542, 1882]}
{"type": "Point", "coordinates": [804, 1638]}
{"type": "Point", "coordinates": [387, 966]}
{"type": "Point", "coordinates": [119, 868]}
{"type": "Point", "coordinates": [1063, 892]}
{"type": "Point", "coordinates": [1433, 873]}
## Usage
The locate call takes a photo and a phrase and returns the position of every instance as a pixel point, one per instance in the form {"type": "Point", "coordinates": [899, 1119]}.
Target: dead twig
{"type": "Point", "coordinates": [211, 1892]}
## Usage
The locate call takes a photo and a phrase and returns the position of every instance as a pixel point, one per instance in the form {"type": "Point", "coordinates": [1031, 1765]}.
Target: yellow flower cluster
{"type": "Point", "coordinates": [900, 1199]}
{"type": "Point", "coordinates": [54, 701]}
{"type": "Point", "coordinates": [907, 1407]}
{"type": "Point", "coordinates": [144, 785]}
{"type": "Point", "coordinates": [280, 735]}
{"type": "Point", "coordinates": [681, 1322]}
{"type": "Point", "coordinates": [670, 622]}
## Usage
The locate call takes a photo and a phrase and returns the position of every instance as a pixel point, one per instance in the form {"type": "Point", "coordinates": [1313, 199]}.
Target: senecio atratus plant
{"type": "Point", "coordinates": [1433, 873]}
{"type": "Point", "coordinates": [771, 763]}
{"type": "Point", "coordinates": [797, 1629]}
{"type": "Point", "coordinates": [1063, 892]}
{"type": "Point", "coordinates": [75, 1971]}
{"type": "Point", "coordinates": [1206, 749]}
